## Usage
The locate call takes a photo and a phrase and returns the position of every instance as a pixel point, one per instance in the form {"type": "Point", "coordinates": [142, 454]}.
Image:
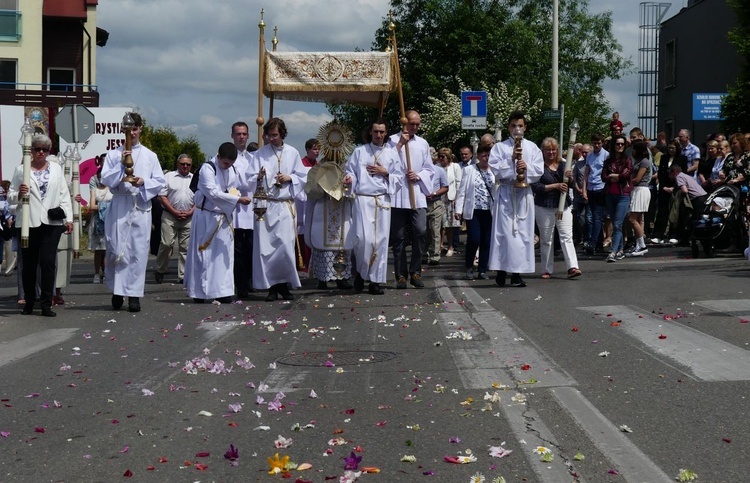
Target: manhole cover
{"type": "Point", "coordinates": [338, 358]}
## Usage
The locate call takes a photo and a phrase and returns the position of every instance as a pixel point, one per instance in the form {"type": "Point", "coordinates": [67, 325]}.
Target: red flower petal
{"type": "Point", "coordinates": [39, 430]}
{"type": "Point", "coordinates": [575, 328]}
{"type": "Point", "coordinates": [662, 336]}
{"type": "Point", "coordinates": [150, 468]}
{"type": "Point", "coordinates": [726, 440]}
{"type": "Point", "coordinates": [203, 454]}
{"type": "Point", "coordinates": [127, 474]}
{"type": "Point", "coordinates": [525, 367]}
{"type": "Point", "coordinates": [201, 467]}
{"type": "Point", "coordinates": [162, 459]}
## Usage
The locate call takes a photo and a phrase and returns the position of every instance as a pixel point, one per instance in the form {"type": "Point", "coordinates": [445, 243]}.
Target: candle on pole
{"type": "Point", "coordinates": [27, 130]}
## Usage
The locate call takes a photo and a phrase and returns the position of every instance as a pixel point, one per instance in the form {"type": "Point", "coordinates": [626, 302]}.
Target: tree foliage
{"type": "Point", "coordinates": [736, 107]}
{"type": "Point", "coordinates": [484, 42]}
{"type": "Point", "coordinates": [163, 141]}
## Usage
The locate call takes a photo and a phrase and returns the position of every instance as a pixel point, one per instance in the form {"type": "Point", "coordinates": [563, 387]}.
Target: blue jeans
{"type": "Point", "coordinates": [597, 206]}
{"type": "Point", "coordinates": [617, 208]}
{"type": "Point", "coordinates": [478, 236]}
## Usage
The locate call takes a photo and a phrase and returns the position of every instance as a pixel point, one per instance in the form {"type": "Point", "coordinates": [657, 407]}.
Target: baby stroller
{"type": "Point", "coordinates": [720, 218]}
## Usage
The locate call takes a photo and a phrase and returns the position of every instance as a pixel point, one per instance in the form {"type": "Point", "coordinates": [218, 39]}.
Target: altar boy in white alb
{"type": "Point", "coordinates": [374, 176]}
{"type": "Point", "coordinates": [279, 167]}
{"type": "Point", "coordinates": [512, 244]}
{"type": "Point", "coordinates": [128, 224]}
{"type": "Point", "coordinates": [210, 259]}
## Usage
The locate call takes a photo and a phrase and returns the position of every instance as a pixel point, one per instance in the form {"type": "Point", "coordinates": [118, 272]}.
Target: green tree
{"type": "Point", "coordinates": [443, 42]}
{"type": "Point", "coordinates": [163, 141]}
{"type": "Point", "coordinates": [736, 107]}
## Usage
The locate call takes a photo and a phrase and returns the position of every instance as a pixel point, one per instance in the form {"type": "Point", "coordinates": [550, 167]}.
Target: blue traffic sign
{"type": "Point", "coordinates": [473, 104]}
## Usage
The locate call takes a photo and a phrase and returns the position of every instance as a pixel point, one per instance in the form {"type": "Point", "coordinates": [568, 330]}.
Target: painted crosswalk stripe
{"type": "Point", "coordinates": [633, 465]}
{"type": "Point", "coordinates": [31, 344]}
{"type": "Point", "coordinates": [737, 308]}
{"type": "Point", "coordinates": [706, 357]}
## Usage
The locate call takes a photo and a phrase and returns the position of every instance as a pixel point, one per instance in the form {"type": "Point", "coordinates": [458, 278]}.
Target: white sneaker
{"type": "Point", "coordinates": [673, 241]}
{"type": "Point", "coordinates": [97, 278]}
{"type": "Point", "coordinates": [656, 241]}
{"type": "Point", "coordinates": [449, 253]}
{"type": "Point", "coordinates": [639, 252]}
{"type": "Point", "coordinates": [611, 257]}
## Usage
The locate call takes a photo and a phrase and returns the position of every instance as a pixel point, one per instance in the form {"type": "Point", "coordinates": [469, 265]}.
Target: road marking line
{"type": "Point", "coordinates": [708, 358]}
{"type": "Point", "coordinates": [736, 308]}
{"type": "Point", "coordinates": [528, 426]}
{"type": "Point", "coordinates": [27, 345]}
{"type": "Point", "coordinates": [632, 463]}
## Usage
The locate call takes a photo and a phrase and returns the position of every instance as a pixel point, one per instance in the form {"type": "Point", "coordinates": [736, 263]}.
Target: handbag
{"type": "Point", "coordinates": [54, 214]}
{"type": "Point", "coordinates": [5, 231]}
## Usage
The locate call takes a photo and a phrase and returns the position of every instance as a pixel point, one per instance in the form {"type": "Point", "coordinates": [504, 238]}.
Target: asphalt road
{"type": "Point", "coordinates": [632, 372]}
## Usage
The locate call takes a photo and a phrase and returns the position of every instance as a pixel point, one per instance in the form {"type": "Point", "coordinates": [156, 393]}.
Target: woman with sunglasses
{"type": "Point", "coordinates": [51, 215]}
{"type": "Point", "coordinates": [616, 176]}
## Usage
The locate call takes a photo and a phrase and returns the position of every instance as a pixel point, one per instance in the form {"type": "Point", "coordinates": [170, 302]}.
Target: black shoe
{"type": "Point", "coordinates": [134, 304]}
{"type": "Point", "coordinates": [159, 277]}
{"type": "Point", "coordinates": [416, 280]}
{"type": "Point", "coordinates": [590, 250]}
{"type": "Point", "coordinates": [47, 312]}
{"type": "Point", "coordinates": [117, 301]}
{"type": "Point", "coordinates": [322, 285]}
{"type": "Point", "coordinates": [243, 294]}
{"type": "Point", "coordinates": [343, 284]}
{"type": "Point", "coordinates": [199, 301]}
{"type": "Point", "coordinates": [434, 263]}
{"type": "Point", "coordinates": [272, 294]}
{"type": "Point", "coordinates": [284, 292]}
{"type": "Point", "coordinates": [224, 300]}
{"type": "Point", "coordinates": [516, 281]}
{"type": "Point", "coordinates": [179, 281]}
{"type": "Point", "coordinates": [401, 283]}
{"type": "Point", "coordinates": [28, 308]}
{"type": "Point", "coordinates": [376, 289]}
{"type": "Point", "coordinates": [359, 283]}
{"type": "Point", "coordinates": [500, 278]}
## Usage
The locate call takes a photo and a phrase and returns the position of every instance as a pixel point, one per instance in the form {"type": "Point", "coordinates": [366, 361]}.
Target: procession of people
{"type": "Point", "coordinates": [256, 220]}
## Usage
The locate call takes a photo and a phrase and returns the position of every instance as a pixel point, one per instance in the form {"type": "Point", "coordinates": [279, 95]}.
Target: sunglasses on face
{"type": "Point", "coordinates": [41, 150]}
{"type": "Point", "coordinates": [185, 164]}
{"type": "Point", "coordinates": [619, 144]}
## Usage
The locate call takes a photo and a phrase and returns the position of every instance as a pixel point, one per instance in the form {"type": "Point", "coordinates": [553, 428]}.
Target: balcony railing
{"type": "Point", "coordinates": [48, 95]}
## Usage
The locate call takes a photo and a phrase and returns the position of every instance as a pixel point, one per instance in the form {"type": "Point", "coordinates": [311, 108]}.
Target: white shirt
{"type": "Point", "coordinates": [177, 190]}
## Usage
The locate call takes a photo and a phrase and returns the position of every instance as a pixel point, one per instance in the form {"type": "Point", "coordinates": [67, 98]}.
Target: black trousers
{"type": "Point", "coordinates": [243, 260]}
{"type": "Point", "coordinates": [42, 253]}
{"type": "Point", "coordinates": [417, 220]}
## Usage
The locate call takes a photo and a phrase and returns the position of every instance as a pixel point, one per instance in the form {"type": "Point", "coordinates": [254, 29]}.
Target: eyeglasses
{"type": "Point", "coordinates": [185, 164]}
{"type": "Point", "coordinates": [442, 156]}
{"type": "Point", "coordinates": [41, 150]}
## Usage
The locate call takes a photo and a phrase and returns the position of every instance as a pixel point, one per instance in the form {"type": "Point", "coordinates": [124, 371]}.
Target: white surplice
{"type": "Point", "coordinates": [421, 163]}
{"type": "Point", "coordinates": [371, 214]}
{"type": "Point", "coordinates": [127, 226]}
{"type": "Point", "coordinates": [209, 272]}
{"type": "Point", "coordinates": [512, 244]}
{"type": "Point", "coordinates": [274, 238]}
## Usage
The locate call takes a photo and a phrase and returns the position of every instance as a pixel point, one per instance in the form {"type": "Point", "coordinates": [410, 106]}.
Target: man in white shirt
{"type": "Point", "coordinates": [418, 181]}
{"type": "Point", "coordinates": [244, 218]}
{"type": "Point", "coordinates": [177, 199]}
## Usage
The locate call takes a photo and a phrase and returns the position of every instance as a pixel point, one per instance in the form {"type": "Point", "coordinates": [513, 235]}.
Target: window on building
{"type": "Point", "coordinates": [61, 79]}
{"type": "Point", "coordinates": [7, 74]}
{"type": "Point", "coordinates": [10, 21]}
{"type": "Point", "coordinates": [670, 62]}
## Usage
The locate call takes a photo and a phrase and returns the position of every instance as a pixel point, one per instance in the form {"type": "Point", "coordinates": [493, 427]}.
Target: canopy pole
{"type": "Point", "coordinates": [261, 74]}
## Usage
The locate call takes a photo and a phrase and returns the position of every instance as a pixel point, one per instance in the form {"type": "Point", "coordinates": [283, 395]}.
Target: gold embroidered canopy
{"type": "Point", "coordinates": [340, 77]}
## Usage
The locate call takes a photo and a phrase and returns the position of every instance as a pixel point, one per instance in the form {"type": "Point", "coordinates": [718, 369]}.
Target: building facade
{"type": "Point", "coordinates": [696, 64]}
{"type": "Point", "coordinates": [48, 52]}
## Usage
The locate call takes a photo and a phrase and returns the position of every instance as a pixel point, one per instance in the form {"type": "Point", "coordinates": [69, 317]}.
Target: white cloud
{"type": "Point", "coordinates": [194, 64]}
{"type": "Point", "coordinates": [211, 121]}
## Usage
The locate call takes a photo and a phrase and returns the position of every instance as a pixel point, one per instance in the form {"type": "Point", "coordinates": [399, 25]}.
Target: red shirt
{"type": "Point", "coordinates": [309, 162]}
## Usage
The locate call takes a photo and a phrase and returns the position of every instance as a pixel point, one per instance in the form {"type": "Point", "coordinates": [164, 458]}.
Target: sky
{"type": "Point", "coordinates": [193, 65]}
